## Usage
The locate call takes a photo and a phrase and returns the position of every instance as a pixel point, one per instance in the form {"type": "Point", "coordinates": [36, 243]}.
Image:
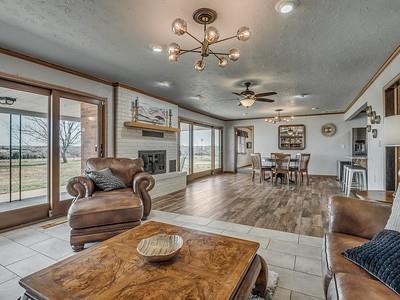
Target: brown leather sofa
{"type": "Point", "coordinates": [97, 215]}
{"type": "Point", "coordinates": [352, 222]}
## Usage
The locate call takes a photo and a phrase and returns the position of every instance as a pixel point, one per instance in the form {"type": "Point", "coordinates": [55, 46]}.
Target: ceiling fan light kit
{"type": "Point", "coordinates": [249, 97]}
{"type": "Point", "coordinates": [206, 16]}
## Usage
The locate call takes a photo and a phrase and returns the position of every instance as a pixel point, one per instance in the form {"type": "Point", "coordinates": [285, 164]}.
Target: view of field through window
{"type": "Point", "coordinates": [24, 146]}
{"type": "Point", "coordinates": [201, 139]}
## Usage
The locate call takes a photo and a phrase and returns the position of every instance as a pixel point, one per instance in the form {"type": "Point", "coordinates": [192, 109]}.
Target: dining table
{"type": "Point", "coordinates": [268, 161]}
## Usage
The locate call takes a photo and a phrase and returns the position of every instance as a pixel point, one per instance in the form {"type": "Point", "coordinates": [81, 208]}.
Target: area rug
{"type": "Point", "coordinates": [273, 278]}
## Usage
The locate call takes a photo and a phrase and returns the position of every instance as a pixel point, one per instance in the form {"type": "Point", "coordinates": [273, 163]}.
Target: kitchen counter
{"type": "Point", "coordinates": [358, 157]}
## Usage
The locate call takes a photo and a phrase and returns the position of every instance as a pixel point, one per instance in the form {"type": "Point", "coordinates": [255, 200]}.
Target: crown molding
{"type": "Point", "coordinates": [53, 65]}
{"type": "Point", "coordinates": [131, 88]}
{"type": "Point", "coordinates": [288, 116]}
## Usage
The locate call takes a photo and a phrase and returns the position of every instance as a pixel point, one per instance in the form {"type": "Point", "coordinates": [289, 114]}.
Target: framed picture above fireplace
{"type": "Point", "coordinates": [152, 114]}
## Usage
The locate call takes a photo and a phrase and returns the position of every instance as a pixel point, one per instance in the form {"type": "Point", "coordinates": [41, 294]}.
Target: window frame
{"type": "Point", "coordinates": [193, 175]}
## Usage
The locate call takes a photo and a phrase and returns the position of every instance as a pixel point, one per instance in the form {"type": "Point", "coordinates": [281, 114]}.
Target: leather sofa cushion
{"type": "Point", "coordinates": [351, 287]}
{"type": "Point", "coordinates": [334, 261]}
{"type": "Point", "coordinates": [105, 208]}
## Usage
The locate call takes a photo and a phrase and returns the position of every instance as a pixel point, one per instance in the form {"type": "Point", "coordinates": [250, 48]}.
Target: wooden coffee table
{"type": "Point", "coordinates": [209, 266]}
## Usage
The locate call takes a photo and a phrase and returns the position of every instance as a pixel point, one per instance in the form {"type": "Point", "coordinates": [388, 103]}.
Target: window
{"type": "Point", "coordinates": [36, 129]}
{"type": "Point", "coordinates": [241, 141]}
{"type": "Point", "coordinates": [199, 148]}
{"type": "Point", "coordinates": [217, 147]}
{"type": "Point", "coordinates": [184, 147]}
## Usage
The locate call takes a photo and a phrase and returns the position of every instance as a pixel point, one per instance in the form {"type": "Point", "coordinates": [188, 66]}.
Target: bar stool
{"type": "Point", "coordinates": [356, 177]}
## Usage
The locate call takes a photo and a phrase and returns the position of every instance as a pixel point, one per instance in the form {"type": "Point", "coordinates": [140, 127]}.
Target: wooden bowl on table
{"type": "Point", "coordinates": [160, 247]}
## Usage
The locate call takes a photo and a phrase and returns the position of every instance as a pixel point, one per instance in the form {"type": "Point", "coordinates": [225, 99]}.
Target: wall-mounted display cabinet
{"type": "Point", "coordinates": [291, 137]}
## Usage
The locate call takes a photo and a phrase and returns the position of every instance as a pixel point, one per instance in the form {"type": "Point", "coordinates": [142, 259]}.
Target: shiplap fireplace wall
{"type": "Point", "coordinates": [129, 141]}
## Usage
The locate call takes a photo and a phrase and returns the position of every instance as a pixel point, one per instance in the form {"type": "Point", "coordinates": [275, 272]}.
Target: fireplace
{"type": "Point", "coordinates": [154, 161]}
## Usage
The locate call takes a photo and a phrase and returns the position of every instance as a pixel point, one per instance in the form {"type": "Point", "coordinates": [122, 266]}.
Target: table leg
{"type": "Point", "coordinates": [260, 288]}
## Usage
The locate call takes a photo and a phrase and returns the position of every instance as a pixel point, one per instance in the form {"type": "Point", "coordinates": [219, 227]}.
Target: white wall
{"type": "Point", "coordinates": [325, 151]}
{"type": "Point", "coordinates": [376, 151]}
{"type": "Point", "coordinates": [22, 68]}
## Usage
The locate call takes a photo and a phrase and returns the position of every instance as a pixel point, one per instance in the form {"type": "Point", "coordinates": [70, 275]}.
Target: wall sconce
{"type": "Point", "coordinates": [374, 133]}
{"type": "Point", "coordinates": [368, 110]}
{"type": "Point", "coordinates": [7, 100]}
{"type": "Point", "coordinates": [369, 128]}
{"type": "Point", "coordinates": [374, 118]}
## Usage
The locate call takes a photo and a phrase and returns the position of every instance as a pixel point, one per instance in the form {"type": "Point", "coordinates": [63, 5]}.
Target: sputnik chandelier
{"type": "Point", "coordinates": [278, 118]}
{"type": "Point", "coordinates": [206, 16]}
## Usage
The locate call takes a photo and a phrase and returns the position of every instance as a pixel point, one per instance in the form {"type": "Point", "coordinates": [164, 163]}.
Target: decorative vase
{"type": "Point", "coordinates": [135, 109]}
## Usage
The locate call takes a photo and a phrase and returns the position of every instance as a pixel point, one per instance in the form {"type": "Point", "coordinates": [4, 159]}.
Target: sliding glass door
{"type": "Point", "coordinates": [184, 148]}
{"type": "Point", "coordinates": [24, 153]}
{"type": "Point", "coordinates": [80, 129]}
{"type": "Point", "coordinates": [45, 138]}
{"type": "Point", "coordinates": [200, 151]}
{"type": "Point", "coordinates": [217, 149]}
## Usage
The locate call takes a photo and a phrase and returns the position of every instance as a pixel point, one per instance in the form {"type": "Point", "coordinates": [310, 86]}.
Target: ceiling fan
{"type": "Point", "coordinates": [249, 97]}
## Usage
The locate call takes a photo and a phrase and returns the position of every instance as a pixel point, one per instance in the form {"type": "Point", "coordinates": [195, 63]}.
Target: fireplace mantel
{"type": "Point", "coordinates": [141, 125]}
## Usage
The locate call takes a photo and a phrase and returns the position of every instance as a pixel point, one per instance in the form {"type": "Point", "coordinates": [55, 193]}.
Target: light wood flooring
{"type": "Point", "coordinates": [235, 198]}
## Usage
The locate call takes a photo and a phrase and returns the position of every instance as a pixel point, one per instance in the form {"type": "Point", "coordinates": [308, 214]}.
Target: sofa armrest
{"type": "Point", "coordinates": [80, 187]}
{"type": "Point", "coordinates": [142, 183]}
{"type": "Point", "coordinates": [357, 217]}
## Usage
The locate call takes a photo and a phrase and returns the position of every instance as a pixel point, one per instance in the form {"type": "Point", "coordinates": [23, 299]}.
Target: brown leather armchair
{"type": "Point", "coordinates": [352, 222]}
{"type": "Point", "coordinates": [98, 215]}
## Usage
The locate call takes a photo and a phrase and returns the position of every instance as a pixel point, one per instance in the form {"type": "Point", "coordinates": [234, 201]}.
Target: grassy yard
{"type": "Point", "coordinates": [34, 174]}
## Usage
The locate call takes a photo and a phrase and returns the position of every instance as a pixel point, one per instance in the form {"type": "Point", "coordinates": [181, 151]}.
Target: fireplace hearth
{"type": "Point", "coordinates": [154, 161]}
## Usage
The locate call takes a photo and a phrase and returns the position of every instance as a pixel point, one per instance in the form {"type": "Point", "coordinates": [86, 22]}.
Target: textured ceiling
{"type": "Point", "coordinates": [326, 48]}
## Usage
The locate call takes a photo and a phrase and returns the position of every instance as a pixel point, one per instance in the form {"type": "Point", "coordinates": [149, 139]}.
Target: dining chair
{"type": "Point", "coordinates": [294, 167]}
{"type": "Point", "coordinates": [303, 166]}
{"type": "Point", "coordinates": [282, 166]}
{"type": "Point", "coordinates": [257, 167]}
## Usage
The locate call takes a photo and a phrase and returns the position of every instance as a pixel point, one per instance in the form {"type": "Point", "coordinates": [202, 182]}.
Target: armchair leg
{"type": "Point", "coordinates": [78, 247]}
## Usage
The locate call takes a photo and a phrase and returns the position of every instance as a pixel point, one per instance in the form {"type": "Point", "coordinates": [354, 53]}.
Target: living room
{"type": "Point", "coordinates": [226, 151]}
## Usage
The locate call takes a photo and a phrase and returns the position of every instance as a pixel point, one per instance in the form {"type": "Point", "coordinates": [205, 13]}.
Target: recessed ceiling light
{"type": "Point", "coordinates": [301, 96]}
{"type": "Point", "coordinates": [315, 108]}
{"type": "Point", "coordinates": [156, 48]}
{"type": "Point", "coordinates": [196, 97]}
{"type": "Point", "coordinates": [286, 6]}
{"type": "Point", "coordinates": [164, 83]}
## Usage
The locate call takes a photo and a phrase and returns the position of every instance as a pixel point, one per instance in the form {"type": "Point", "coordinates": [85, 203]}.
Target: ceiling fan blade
{"type": "Point", "coordinates": [265, 100]}
{"type": "Point", "coordinates": [236, 94]}
{"type": "Point", "coordinates": [266, 94]}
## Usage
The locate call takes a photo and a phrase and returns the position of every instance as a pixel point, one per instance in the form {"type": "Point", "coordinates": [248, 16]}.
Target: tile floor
{"type": "Point", "coordinates": [295, 257]}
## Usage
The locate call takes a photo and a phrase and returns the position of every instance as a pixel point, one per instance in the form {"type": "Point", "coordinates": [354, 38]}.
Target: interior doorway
{"type": "Point", "coordinates": [244, 147]}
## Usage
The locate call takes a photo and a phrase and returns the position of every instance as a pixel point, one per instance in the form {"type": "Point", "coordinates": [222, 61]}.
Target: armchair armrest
{"type": "Point", "coordinates": [80, 187]}
{"type": "Point", "coordinates": [357, 217]}
{"type": "Point", "coordinates": [142, 183]}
